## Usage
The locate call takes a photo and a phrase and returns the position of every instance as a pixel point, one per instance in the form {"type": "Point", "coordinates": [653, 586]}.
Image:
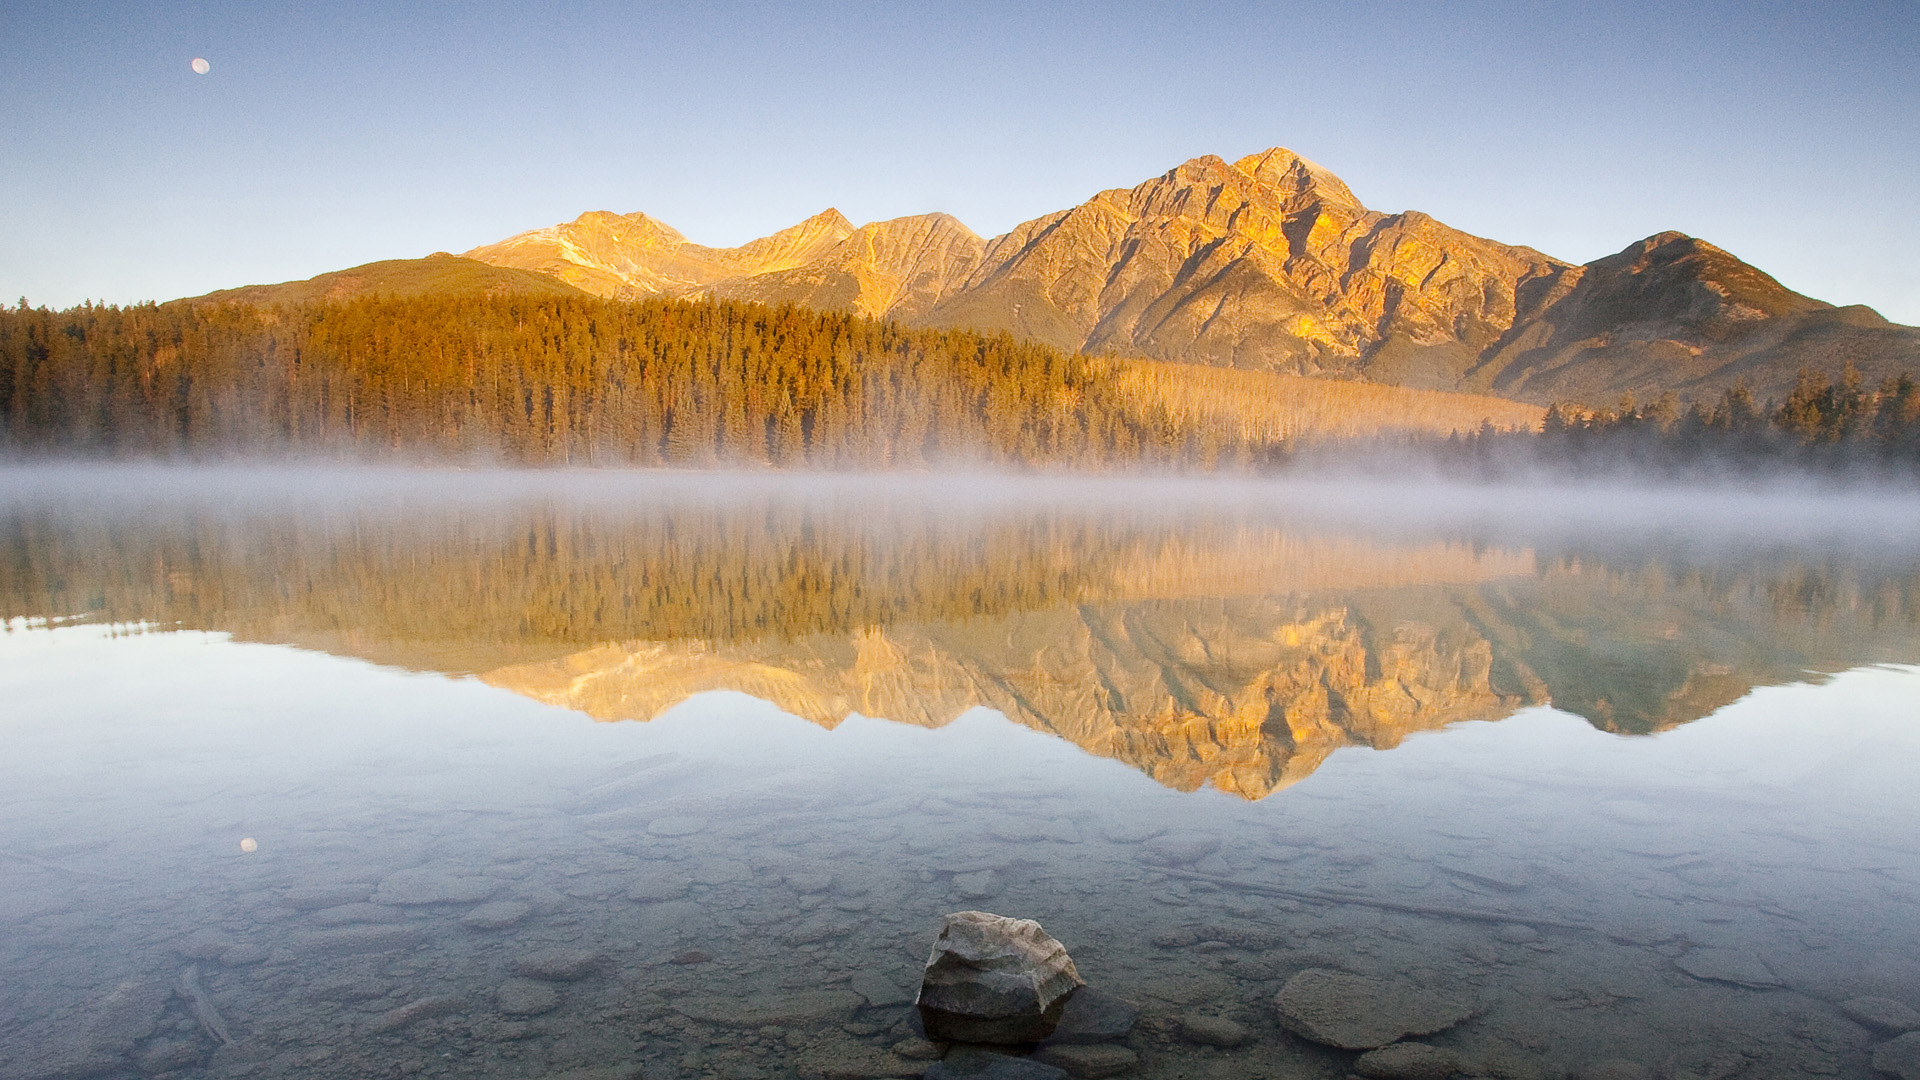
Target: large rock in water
{"type": "Point", "coordinates": [992, 979]}
{"type": "Point", "coordinates": [1354, 1012]}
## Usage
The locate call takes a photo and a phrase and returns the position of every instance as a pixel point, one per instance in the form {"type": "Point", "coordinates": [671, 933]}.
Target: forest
{"type": "Point", "coordinates": [570, 380]}
{"type": "Point", "coordinates": [1825, 425]}
{"type": "Point", "coordinates": [564, 380]}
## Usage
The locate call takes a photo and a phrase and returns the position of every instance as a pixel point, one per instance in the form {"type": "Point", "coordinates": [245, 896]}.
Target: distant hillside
{"type": "Point", "coordinates": [1264, 406]}
{"type": "Point", "coordinates": [1271, 263]}
{"type": "Point", "coordinates": [439, 274]}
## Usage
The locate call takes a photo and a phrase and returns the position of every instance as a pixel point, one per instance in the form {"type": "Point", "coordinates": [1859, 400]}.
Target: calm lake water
{"type": "Point", "coordinates": [337, 774]}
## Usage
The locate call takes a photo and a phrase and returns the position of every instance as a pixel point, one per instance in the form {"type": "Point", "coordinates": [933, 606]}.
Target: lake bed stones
{"type": "Point", "coordinates": [1094, 1016]}
{"type": "Point", "coordinates": [1179, 848]}
{"type": "Point", "coordinates": [1407, 1061]}
{"type": "Point", "coordinates": [1729, 966]}
{"type": "Point", "coordinates": [1884, 1015]}
{"type": "Point", "coordinates": [1212, 1031]}
{"type": "Point", "coordinates": [525, 997]}
{"type": "Point", "coordinates": [977, 1063]}
{"type": "Point", "coordinates": [497, 915]}
{"type": "Point", "coordinates": [422, 886]}
{"type": "Point", "coordinates": [1356, 1012]}
{"type": "Point", "coordinates": [1900, 1058]}
{"type": "Point", "coordinates": [1089, 1061]}
{"type": "Point", "coordinates": [994, 979]}
{"type": "Point", "coordinates": [558, 964]}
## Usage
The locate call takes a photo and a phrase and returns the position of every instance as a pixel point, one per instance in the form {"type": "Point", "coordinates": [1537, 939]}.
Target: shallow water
{"type": "Point", "coordinates": [1625, 779]}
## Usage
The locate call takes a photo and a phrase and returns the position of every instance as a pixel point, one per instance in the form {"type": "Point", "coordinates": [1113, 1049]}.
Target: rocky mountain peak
{"type": "Point", "coordinates": [1298, 180]}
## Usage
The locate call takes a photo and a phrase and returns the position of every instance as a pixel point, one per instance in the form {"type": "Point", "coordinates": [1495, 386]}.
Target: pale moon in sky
{"type": "Point", "coordinates": [200, 66]}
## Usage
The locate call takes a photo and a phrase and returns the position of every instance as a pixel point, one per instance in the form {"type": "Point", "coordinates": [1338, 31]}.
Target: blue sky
{"type": "Point", "coordinates": [328, 135]}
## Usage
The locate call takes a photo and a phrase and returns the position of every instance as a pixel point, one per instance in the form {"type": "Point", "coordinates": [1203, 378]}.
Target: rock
{"type": "Point", "coordinates": [654, 888]}
{"type": "Point", "coordinates": [1901, 1057]}
{"type": "Point", "coordinates": [676, 826]}
{"type": "Point", "coordinates": [975, 1063]}
{"type": "Point", "coordinates": [809, 881]}
{"type": "Point", "coordinates": [358, 939]}
{"type": "Point", "coordinates": [558, 964]}
{"type": "Point", "coordinates": [1180, 849]}
{"type": "Point", "coordinates": [425, 885]}
{"type": "Point", "coordinates": [166, 1055]}
{"type": "Point", "coordinates": [244, 954]}
{"type": "Point", "coordinates": [1615, 1069]}
{"type": "Point", "coordinates": [1407, 1061]}
{"type": "Point", "coordinates": [1089, 1062]}
{"type": "Point", "coordinates": [840, 1057]}
{"type": "Point", "coordinates": [1354, 1012]}
{"type": "Point", "coordinates": [1093, 1016]}
{"type": "Point", "coordinates": [1881, 1014]}
{"type": "Point", "coordinates": [993, 979]}
{"type": "Point", "coordinates": [802, 1008]}
{"type": "Point", "coordinates": [915, 1048]}
{"type": "Point", "coordinates": [524, 997]}
{"type": "Point", "coordinates": [879, 990]}
{"type": "Point", "coordinates": [355, 914]}
{"type": "Point", "coordinates": [1728, 966]}
{"type": "Point", "coordinates": [415, 1011]}
{"type": "Point", "coordinates": [496, 916]}
{"type": "Point", "coordinates": [1212, 1031]}
{"type": "Point", "coordinates": [315, 897]}
{"type": "Point", "coordinates": [1517, 933]}
{"type": "Point", "coordinates": [979, 885]}
{"type": "Point", "coordinates": [691, 956]}
{"type": "Point", "coordinates": [351, 988]}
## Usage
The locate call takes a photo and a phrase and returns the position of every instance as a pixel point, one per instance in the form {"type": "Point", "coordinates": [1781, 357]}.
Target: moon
{"type": "Point", "coordinates": [200, 66]}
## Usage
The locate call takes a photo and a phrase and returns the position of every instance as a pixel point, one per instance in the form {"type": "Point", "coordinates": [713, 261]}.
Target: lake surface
{"type": "Point", "coordinates": [388, 773]}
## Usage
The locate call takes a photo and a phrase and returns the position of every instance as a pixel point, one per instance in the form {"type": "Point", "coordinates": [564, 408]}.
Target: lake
{"type": "Point", "coordinates": [337, 773]}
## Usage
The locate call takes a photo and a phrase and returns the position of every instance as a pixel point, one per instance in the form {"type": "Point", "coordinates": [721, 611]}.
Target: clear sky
{"type": "Point", "coordinates": [331, 134]}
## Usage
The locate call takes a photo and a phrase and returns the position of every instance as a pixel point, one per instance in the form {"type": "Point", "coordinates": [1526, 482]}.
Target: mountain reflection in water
{"type": "Point", "coordinates": [1223, 643]}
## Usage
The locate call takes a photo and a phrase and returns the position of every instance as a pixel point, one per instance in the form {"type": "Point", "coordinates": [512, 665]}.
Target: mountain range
{"type": "Point", "coordinates": [1266, 263]}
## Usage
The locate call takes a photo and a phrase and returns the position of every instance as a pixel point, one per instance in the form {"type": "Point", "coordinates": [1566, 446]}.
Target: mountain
{"type": "Point", "coordinates": [1675, 313]}
{"type": "Point", "coordinates": [1271, 263]}
{"type": "Point", "coordinates": [439, 274]}
{"type": "Point", "coordinates": [631, 256]}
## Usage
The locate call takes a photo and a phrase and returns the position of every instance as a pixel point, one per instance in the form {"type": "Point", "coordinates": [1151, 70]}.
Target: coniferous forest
{"type": "Point", "coordinates": [577, 380]}
{"type": "Point", "coordinates": [567, 380]}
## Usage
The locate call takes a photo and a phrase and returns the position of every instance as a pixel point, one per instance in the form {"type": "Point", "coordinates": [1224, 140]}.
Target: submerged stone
{"type": "Point", "coordinates": [1901, 1057]}
{"type": "Point", "coordinates": [1089, 1062]}
{"type": "Point", "coordinates": [1728, 966]}
{"type": "Point", "coordinates": [559, 964]}
{"type": "Point", "coordinates": [525, 997]}
{"type": "Point", "coordinates": [1213, 1031]}
{"type": "Point", "coordinates": [496, 916]}
{"type": "Point", "coordinates": [994, 979]}
{"type": "Point", "coordinates": [423, 885]}
{"type": "Point", "coordinates": [1093, 1016]}
{"type": "Point", "coordinates": [1354, 1012]}
{"type": "Point", "coordinates": [1180, 849]}
{"type": "Point", "coordinates": [976, 1063]}
{"type": "Point", "coordinates": [1407, 1061]}
{"type": "Point", "coordinates": [1881, 1014]}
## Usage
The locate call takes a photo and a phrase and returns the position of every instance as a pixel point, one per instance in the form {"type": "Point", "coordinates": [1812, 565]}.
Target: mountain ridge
{"type": "Point", "coordinates": [1269, 262]}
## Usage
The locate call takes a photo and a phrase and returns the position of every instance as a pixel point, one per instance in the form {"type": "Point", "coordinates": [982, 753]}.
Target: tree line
{"type": "Point", "coordinates": [1823, 424]}
{"type": "Point", "coordinates": [570, 380]}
